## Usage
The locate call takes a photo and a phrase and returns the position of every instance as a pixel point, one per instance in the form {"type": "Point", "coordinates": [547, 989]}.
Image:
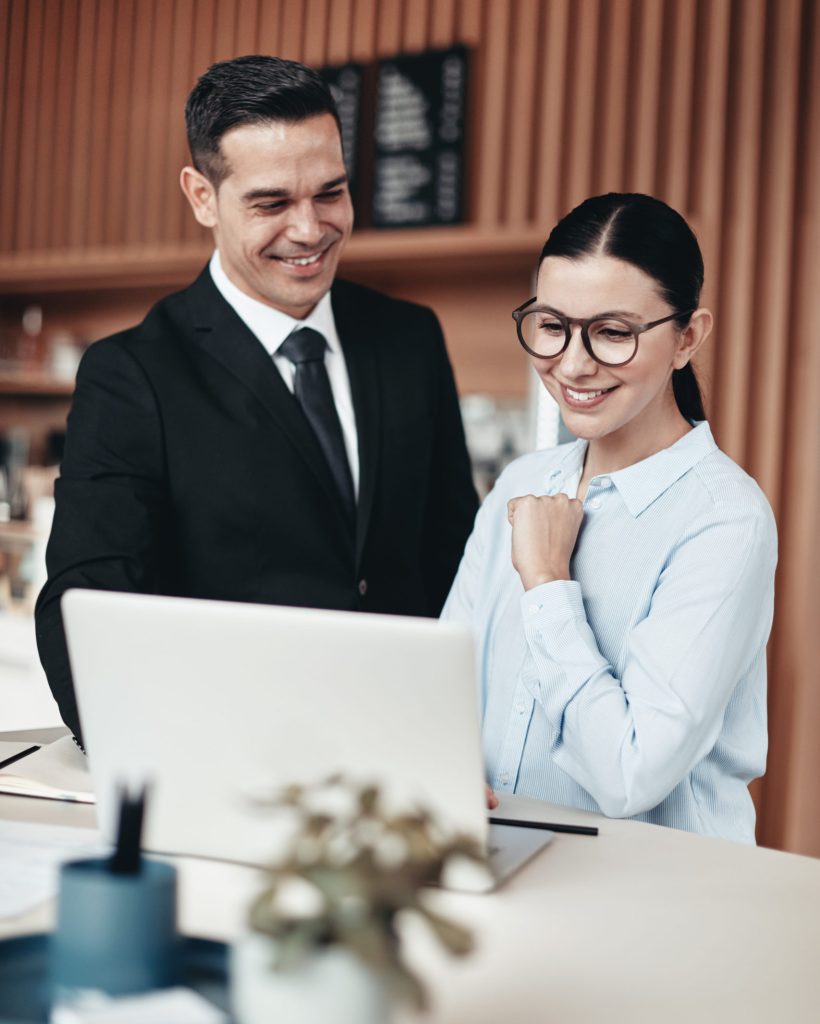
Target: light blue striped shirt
{"type": "Point", "coordinates": [638, 688]}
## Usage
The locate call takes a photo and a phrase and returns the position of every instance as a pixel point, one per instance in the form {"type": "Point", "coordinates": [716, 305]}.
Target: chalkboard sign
{"type": "Point", "coordinates": [345, 83]}
{"type": "Point", "coordinates": [418, 138]}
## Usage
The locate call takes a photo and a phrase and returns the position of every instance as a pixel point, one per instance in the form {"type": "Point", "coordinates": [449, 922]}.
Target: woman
{"type": "Point", "coordinates": [620, 587]}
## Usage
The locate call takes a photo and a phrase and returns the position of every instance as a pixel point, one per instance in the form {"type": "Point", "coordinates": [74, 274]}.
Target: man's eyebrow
{"type": "Point", "coordinates": [282, 193]}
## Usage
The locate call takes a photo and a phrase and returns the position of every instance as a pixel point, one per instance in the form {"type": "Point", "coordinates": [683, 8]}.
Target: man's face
{"type": "Point", "coordinates": [282, 214]}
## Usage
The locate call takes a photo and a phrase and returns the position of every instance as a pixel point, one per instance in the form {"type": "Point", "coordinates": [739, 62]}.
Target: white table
{"type": "Point", "coordinates": [640, 924]}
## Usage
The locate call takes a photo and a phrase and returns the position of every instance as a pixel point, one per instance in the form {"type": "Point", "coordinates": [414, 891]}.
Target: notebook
{"type": "Point", "coordinates": [218, 703]}
{"type": "Point", "coordinates": [54, 771]}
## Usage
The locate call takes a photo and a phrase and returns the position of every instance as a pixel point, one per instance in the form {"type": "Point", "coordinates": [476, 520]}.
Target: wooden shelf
{"type": "Point", "coordinates": [452, 250]}
{"type": "Point", "coordinates": [34, 385]}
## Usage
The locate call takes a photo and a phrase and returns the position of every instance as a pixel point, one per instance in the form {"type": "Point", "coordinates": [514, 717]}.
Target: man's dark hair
{"type": "Point", "coordinates": [249, 90]}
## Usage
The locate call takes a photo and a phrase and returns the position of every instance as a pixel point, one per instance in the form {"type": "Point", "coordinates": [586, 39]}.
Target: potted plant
{"type": "Point", "coordinates": [323, 943]}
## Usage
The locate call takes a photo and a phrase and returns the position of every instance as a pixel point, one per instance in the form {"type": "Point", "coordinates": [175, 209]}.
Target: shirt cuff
{"type": "Point", "coordinates": [558, 601]}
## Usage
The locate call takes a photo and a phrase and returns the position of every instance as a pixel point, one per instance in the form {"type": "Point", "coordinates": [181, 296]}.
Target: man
{"type": "Point", "coordinates": [266, 434]}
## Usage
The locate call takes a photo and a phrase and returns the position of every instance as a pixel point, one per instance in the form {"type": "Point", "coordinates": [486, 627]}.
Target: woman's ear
{"type": "Point", "coordinates": [692, 337]}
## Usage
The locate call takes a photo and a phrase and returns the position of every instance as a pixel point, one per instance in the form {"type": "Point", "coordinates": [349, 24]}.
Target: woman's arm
{"type": "Point", "coordinates": [629, 741]}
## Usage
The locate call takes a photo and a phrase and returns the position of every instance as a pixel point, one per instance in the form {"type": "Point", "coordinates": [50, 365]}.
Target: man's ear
{"type": "Point", "coordinates": [201, 194]}
{"type": "Point", "coordinates": [692, 337]}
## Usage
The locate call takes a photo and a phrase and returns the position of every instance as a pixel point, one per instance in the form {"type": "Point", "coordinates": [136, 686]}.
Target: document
{"type": "Point", "coordinates": [31, 855]}
{"type": "Point", "coordinates": [57, 771]}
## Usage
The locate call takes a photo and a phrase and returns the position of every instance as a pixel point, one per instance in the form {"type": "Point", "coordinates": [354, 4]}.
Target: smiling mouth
{"type": "Point", "coordinates": [584, 397]}
{"type": "Point", "coordinates": [301, 261]}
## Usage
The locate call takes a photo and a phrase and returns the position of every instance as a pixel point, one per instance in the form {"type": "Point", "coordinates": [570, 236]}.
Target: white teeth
{"type": "Point", "coordinates": [303, 262]}
{"type": "Point", "coordinates": [585, 396]}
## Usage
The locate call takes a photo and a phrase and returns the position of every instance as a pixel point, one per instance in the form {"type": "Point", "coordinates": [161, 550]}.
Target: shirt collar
{"type": "Point", "coordinates": [271, 326]}
{"type": "Point", "coordinates": [640, 484]}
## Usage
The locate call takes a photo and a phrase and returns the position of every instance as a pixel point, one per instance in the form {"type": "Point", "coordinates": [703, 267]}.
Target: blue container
{"type": "Point", "coordinates": [115, 932]}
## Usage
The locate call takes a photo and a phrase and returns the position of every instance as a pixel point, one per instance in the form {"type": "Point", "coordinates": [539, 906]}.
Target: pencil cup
{"type": "Point", "coordinates": [115, 933]}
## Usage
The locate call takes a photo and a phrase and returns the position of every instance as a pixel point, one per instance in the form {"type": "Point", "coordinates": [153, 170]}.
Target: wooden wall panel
{"type": "Point", "coordinates": [710, 104]}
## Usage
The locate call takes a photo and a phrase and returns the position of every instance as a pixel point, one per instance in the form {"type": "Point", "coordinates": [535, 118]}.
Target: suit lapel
{"type": "Point", "coordinates": [360, 343]}
{"type": "Point", "coordinates": [221, 333]}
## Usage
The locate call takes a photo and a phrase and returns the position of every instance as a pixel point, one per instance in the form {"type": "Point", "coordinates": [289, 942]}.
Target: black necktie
{"type": "Point", "coordinates": [305, 348]}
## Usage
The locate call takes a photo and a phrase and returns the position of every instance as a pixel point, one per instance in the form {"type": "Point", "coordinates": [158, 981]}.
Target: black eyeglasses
{"type": "Point", "coordinates": [610, 340]}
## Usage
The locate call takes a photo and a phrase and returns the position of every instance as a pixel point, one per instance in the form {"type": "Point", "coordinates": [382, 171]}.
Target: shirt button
{"type": "Point", "coordinates": [595, 503]}
{"type": "Point", "coordinates": [521, 708]}
{"type": "Point", "coordinates": [533, 609]}
{"type": "Point", "coordinates": [604, 481]}
{"type": "Point", "coordinates": [504, 778]}
{"type": "Point", "coordinates": [362, 587]}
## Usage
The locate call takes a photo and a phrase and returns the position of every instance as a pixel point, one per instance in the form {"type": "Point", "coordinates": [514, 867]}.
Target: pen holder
{"type": "Point", "coordinates": [115, 933]}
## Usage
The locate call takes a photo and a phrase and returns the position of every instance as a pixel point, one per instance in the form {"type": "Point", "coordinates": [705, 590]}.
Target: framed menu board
{"type": "Point", "coordinates": [403, 135]}
{"type": "Point", "coordinates": [419, 139]}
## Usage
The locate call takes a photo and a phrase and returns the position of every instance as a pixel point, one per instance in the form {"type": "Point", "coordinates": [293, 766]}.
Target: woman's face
{"type": "Point", "coordinates": [614, 402]}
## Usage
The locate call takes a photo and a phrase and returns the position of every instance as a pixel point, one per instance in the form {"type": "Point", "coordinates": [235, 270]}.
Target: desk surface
{"type": "Point", "coordinates": [638, 924]}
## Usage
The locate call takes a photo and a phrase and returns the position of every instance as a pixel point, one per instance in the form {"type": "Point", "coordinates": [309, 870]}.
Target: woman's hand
{"type": "Point", "coordinates": [492, 799]}
{"type": "Point", "coordinates": [544, 532]}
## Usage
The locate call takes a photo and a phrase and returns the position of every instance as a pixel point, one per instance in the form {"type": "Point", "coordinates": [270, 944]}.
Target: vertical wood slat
{"type": "Point", "coordinates": [580, 124]}
{"type": "Point", "coordinates": [492, 154]}
{"type": "Point", "coordinates": [522, 103]}
{"type": "Point", "coordinates": [136, 180]}
{"type": "Point", "coordinates": [246, 32]}
{"type": "Point", "coordinates": [340, 22]}
{"type": "Point", "coordinates": [9, 138]}
{"type": "Point", "coordinates": [611, 132]}
{"type": "Point", "coordinates": [291, 31]}
{"type": "Point", "coordinates": [646, 76]}
{"type": "Point", "coordinates": [442, 23]}
{"type": "Point", "coordinates": [175, 154]}
{"type": "Point", "coordinates": [224, 29]}
{"type": "Point", "coordinates": [470, 22]}
{"type": "Point", "coordinates": [32, 71]}
{"type": "Point", "coordinates": [675, 137]}
{"type": "Point", "coordinates": [201, 58]}
{"type": "Point", "coordinates": [731, 386]}
{"type": "Point", "coordinates": [314, 46]}
{"type": "Point", "coordinates": [388, 27]}
{"type": "Point", "coordinates": [64, 125]}
{"type": "Point", "coordinates": [121, 84]}
{"type": "Point", "coordinates": [98, 177]}
{"type": "Point", "coordinates": [554, 44]}
{"type": "Point", "coordinates": [81, 134]}
{"type": "Point", "coordinates": [791, 814]}
{"type": "Point", "coordinates": [159, 83]}
{"type": "Point", "coordinates": [46, 159]}
{"type": "Point", "coordinates": [707, 163]}
{"type": "Point", "coordinates": [270, 16]}
{"type": "Point", "coordinates": [363, 42]}
{"type": "Point", "coordinates": [415, 18]}
{"type": "Point", "coordinates": [774, 269]}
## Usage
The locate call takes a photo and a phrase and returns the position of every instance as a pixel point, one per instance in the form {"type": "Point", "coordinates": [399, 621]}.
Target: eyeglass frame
{"type": "Point", "coordinates": [570, 322]}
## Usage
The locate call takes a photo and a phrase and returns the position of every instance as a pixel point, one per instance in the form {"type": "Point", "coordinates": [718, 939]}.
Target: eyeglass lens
{"type": "Point", "coordinates": [612, 341]}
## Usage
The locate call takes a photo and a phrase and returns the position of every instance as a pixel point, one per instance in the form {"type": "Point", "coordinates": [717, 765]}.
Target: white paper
{"type": "Point", "coordinates": [57, 771]}
{"type": "Point", "coordinates": [25, 699]}
{"type": "Point", "coordinates": [168, 1006]}
{"type": "Point", "coordinates": [30, 856]}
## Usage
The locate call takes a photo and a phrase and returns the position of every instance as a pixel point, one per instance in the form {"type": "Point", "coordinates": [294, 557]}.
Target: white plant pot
{"type": "Point", "coordinates": [332, 987]}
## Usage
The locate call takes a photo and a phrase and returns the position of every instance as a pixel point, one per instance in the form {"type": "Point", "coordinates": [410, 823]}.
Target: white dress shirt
{"type": "Point", "coordinates": [638, 687]}
{"type": "Point", "coordinates": [272, 327]}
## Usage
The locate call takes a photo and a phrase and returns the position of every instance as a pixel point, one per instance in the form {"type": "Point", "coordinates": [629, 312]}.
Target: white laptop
{"type": "Point", "coordinates": [216, 703]}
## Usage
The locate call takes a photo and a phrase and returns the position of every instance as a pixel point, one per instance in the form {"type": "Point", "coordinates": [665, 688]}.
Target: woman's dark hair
{"type": "Point", "coordinates": [249, 90]}
{"type": "Point", "coordinates": [653, 237]}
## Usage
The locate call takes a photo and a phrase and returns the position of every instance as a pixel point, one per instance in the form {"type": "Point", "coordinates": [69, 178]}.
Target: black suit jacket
{"type": "Point", "coordinates": [189, 469]}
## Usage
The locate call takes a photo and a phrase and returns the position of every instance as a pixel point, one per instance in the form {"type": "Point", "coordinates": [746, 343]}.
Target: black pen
{"type": "Point", "coordinates": [126, 858]}
{"type": "Point", "coordinates": [17, 757]}
{"type": "Point", "coordinates": [548, 826]}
